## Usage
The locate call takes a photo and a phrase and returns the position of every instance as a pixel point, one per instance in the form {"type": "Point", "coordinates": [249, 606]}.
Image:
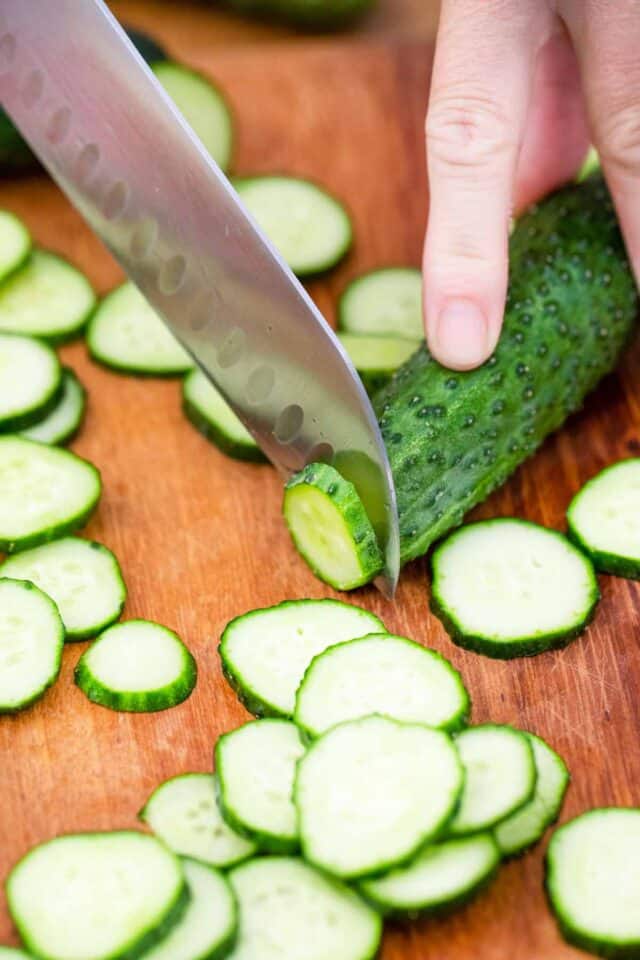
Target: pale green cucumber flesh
{"type": "Point", "coordinates": [376, 358]}
{"type": "Point", "coordinates": [63, 422]}
{"type": "Point", "coordinates": [384, 303]}
{"type": "Point", "coordinates": [15, 243]}
{"type": "Point", "coordinates": [209, 412]}
{"type": "Point", "coordinates": [30, 381]}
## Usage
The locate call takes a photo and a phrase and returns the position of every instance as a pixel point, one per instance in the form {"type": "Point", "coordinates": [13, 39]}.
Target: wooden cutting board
{"type": "Point", "coordinates": [200, 537]}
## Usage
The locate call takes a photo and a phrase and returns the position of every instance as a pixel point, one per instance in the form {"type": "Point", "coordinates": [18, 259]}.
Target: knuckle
{"type": "Point", "coordinates": [619, 137]}
{"type": "Point", "coordinates": [468, 131]}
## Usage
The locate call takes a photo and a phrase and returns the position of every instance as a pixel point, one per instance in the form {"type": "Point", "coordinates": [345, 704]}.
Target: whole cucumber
{"type": "Point", "coordinates": [309, 14]}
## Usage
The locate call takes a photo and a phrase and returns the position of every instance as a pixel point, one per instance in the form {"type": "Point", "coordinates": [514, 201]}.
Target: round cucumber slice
{"type": "Point", "coordinates": [377, 358]}
{"type": "Point", "coordinates": [30, 381]}
{"type": "Point", "coordinates": [351, 830]}
{"type": "Point", "coordinates": [13, 953]}
{"type": "Point", "coordinates": [63, 422]}
{"type": "Point", "coordinates": [396, 677]}
{"type": "Point", "coordinates": [96, 896]}
{"type": "Point", "coordinates": [310, 228]}
{"type": "Point", "coordinates": [209, 412]}
{"type": "Point", "coordinates": [15, 243]}
{"type": "Point", "coordinates": [384, 303]}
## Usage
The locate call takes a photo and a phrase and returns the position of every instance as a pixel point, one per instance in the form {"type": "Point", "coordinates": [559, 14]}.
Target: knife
{"type": "Point", "coordinates": [109, 135]}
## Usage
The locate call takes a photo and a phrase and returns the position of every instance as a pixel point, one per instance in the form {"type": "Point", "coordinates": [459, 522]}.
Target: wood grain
{"type": "Point", "coordinates": [201, 540]}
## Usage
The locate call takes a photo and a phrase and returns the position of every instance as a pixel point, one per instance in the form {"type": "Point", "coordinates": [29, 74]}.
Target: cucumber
{"type": "Point", "coordinates": [330, 527]}
{"type": "Point", "coordinates": [289, 911]}
{"type": "Point", "coordinates": [256, 766]}
{"type": "Point", "coordinates": [209, 412]}
{"type": "Point", "coordinates": [370, 793]}
{"type": "Point", "coordinates": [265, 652]}
{"type": "Point", "coordinates": [138, 667]}
{"type": "Point", "coordinates": [30, 381]}
{"type": "Point", "coordinates": [146, 45]}
{"type": "Point", "coordinates": [376, 358]}
{"type": "Point", "coordinates": [31, 640]}
{"type": "Point", "coordinates": [500, 776]}
{"type": "Point", "coordinates": [45, 493]}
{"type": "Point", "coordinates": [13, 953]}
{"type": "Point", "coordinates": [184, 813]}
{"type": "Point", "coordinates": [127, 335]}
{"type": "Point", "coordinates": [590, 166]}
{"type": "Point", "coordinates": [96, 896]}
{"type": "Point", "coordinates": [603, 519]}
{"type": "Point", "coordinates": [208, 927]}
{"type": "Point", "coordinates": [83, 579]}
{"type": "Point", "coordinates": [384, 303]}
{"type": "Point", "coordinates": [509, 588]}
{"type": "Point", "coordinates": [65, 419]}
{"type": "Point", "coordinates": [203, 107]}
{"type": "Point", "coordinates": [15, 244]}
{"type": "Point", "coordinates": [593, 881]}
{"type": "Point", "coordinates": [310, 228]}
{"type": "Point", "coordinates": [395, 677]}
{"type": "Point", "coordinates": [443, 876]}
{"type": "Point", "coordinates": [526, 825]}
{"type": "Point", "coordinates": [311, 14]}
{"type": "Point", "coordinates": [47, 298]}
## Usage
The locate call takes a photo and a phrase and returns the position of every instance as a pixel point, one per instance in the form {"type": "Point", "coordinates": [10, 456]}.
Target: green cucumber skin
{"type": "Point", "coordinates": [604, 562]}
{"type": "Point", "coordinates": [328, 15]}
{"type": "Point", "coordinates": [74, 430]}
{"type": "Point", "coordinates": [239, 451]}
{"type": "Point", "coordinates": [453, 438]}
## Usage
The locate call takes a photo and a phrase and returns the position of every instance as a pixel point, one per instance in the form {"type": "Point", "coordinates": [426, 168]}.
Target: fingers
{"type": "Point", "coordinates": [480, 92]}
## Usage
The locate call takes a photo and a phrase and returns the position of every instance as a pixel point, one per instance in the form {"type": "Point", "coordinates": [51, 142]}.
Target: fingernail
{"type": "Point", "coordinates": [461, 334]}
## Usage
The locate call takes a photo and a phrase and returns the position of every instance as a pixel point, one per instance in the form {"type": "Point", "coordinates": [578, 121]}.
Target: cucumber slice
{"type": "Point", "coordinates": [603, 519]}
{"type": "Point", "coordinates": [384, 303]}
{"type": "Point", "coordinates": [265, 653]}
{"type": "Point", "coordinates": [138, 667]}
{"type": "Point", "coordinates": [13, 953]}
{"type": "Point", "coordinates": [203, 107]}
{"type": "Point", "coordinates": [351, 830]}
{"type": "Point", "coordinates": [441, 877]}
{"type": "Point", "coordinates": [526, 825]}
{"type": "Point", "coordinates": [45, 493]}
{"type": "Point", "coordinates": [208, 927]}
{"type": "Point", "coordinates": [256, 766]}
{"type": "Point", "coordinates": [30, 381]}
{"type": "Point", "coordinates": [593, 881]}
{"type": "Point", "coordinates": [330, 527]}
{"type": "Point", "coordinates": [126, 334]}
{"type": "Point", "coordinates": [209, 412]}
{"type": "Point", "coordinates": [63, 422]}
{"type": "Point", "coordinates": [31, 640]}
{"type": "Point", "coordinates": [83, 579]}
{"type": "Point", "coordinates": [500, 776]}
{"type": "Point", "coordinates": [184, 813]}
{"type": "Point", "coordinates": [508, 588]}
{"type": "Point", "coordinates": [15, 243]}
{"type": "Point", "coordinates": [47, 298]}
{"type": "Point", "coordinates": [377, 358]}
{"type": "Point", "coordinates": [96, 896]}
{"type": "Point", "coordinates": [289, 911]}
{"type": "Point", "coordinates": [396, 677]}
{"type": "Point", "coordinates": [310, 228]}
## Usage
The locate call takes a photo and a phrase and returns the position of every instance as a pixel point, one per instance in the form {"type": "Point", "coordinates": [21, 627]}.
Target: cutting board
{"type": "Point", "coordinates": [201, 539]}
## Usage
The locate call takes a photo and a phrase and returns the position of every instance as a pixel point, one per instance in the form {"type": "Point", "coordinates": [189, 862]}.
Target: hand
{"type": "Point", "coordinates": [509, 119]}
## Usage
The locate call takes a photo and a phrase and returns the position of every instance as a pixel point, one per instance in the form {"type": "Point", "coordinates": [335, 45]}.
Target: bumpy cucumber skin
{"type": "Point", "coordinates": [452, 438]}
{"type": "Point", "coordinates": [28, 418]}
{"type": "Point", "coordinates": [508, 650]}
{"type": "Point", "coordinates": [251, 453]}
{"type": "Point", "coordinates": [307, 14]}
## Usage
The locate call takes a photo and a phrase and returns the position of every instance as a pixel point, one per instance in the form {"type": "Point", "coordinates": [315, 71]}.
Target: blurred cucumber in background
{"type": "Point", "coordinates": [309, 14]}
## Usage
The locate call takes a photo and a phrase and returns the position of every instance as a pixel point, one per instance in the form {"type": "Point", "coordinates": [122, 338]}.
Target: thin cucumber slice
{"type": "Point", "coordinates": [47, 298]}
{"type": "Point", "coordinates": [526, 825]}
{"type": "Point", "coordinates": [30, 381]}
{"type": "Point", "coordinates": [15, 243]}
{"type": "Point", "coordinates": [443, 876]}
{"type": "Point", "coordinates": [184, 813]}
{"type": "Point", "coordinates": [593, 881]}
{"type": "Point", "coordinates": [138, 667]}
{"type": "Point", "coordinates": [13, 953]}
{"type": "Point", "coordinates": [396, 677]}
{"type": "Point", "coordinates": [310, 228]}
{"type": "Point", "coordinates": [203, 107]}
{"type": "Point", "coordinates": [256, 766]}
{"type": "Point", "coordinates": [126, 334]}
{"type": "Point", "coordinates": [384, 303]}
{"type": "Point", "coordinates": [83, 579]}
{"type": "Point", "coordinates": [96, 896]}
{"type": "Point", "coordinates": [210, 413]}
{"type": "Point", "coordinates": [370, 793]}
{"type": "Point", "coordinates": [45, 493]}
{"type": "Point", "coordinates": [289, 911]}
{"type": "Point", "coordinates": [330, 527]}
{"type": "Point", "coordinates": [63, 422]}
{"type": "Point", "coordinates": [31, 641]}
{"type": "Point", "coordinates": [265, 652]}
{"type": "Point", "coordinates": [208, 927]}
{"type": "Point", "coordinates": [508, 588]}
{"type": "Point", "coordinates": [500, 776]}
{"type": "Point", "coordinates": [377, 358]}
{"type": "Point", "coordinates": [604, 519]}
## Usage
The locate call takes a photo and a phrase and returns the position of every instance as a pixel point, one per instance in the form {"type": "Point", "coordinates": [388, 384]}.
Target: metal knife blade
{"type": "Point", "coordinates": [102, 125]}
